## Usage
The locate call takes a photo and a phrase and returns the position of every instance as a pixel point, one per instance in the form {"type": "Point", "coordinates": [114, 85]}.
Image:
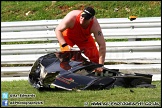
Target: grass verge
{"type": "Point", "coordinates": [61, 98]}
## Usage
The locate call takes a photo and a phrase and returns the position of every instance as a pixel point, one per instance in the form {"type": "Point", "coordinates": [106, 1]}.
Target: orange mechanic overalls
{"type": "Point", "coordinates": [83, 39]}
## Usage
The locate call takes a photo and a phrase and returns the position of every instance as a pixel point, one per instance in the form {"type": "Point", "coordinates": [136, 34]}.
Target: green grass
{"type": "Point", "coordinates": [74, 98]}
{"type": "Point", "coordinates": [45, 10]}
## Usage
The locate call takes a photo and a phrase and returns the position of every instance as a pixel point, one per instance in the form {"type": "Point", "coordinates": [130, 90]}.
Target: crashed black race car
{"type": "Point", "coordinates": [70, 70]}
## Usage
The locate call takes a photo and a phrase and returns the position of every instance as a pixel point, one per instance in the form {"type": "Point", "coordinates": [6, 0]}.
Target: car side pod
{"type": "Point", "coordinates": [134, 80]}
{"type": "Point", "coordinates": [69, 70]}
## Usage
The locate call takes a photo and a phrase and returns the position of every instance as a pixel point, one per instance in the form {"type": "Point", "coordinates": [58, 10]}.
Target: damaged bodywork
{"type": "Point", "coordinates": [70, 70]}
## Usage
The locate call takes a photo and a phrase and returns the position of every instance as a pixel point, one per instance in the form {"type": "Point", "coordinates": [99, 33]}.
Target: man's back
{"type": "Point", "coordinates": [70, 18]}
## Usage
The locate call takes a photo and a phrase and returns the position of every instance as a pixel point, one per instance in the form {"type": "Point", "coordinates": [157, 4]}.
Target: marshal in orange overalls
{"type": "Point", "coordinates": [83, 39]}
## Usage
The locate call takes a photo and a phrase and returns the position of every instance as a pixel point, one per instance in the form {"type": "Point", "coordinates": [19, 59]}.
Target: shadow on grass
{"type": "Point", "coordinates": [51, 89]}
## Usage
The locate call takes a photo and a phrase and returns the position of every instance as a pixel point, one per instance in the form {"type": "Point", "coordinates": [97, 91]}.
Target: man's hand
{"type": "Point", "coordinates": [66, 48]}
{"type": "Point", "coordinates": [99, 70]}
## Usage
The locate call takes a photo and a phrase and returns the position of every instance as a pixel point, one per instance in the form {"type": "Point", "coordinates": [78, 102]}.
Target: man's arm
{"type": "Point", "coordinates": [65, 23]}
{"type": "Point", "coordinates": [96, 30]}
